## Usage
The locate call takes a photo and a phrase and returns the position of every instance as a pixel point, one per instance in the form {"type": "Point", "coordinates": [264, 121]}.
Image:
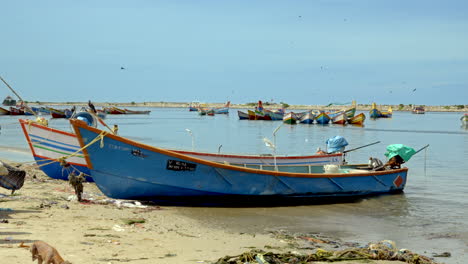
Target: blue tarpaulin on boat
{"type": "Point", "coordinates": [336, 144]}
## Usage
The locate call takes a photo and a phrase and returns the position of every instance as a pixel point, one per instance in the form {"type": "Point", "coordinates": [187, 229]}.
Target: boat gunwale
{"type": "Point", "coordinates": [79, 124]}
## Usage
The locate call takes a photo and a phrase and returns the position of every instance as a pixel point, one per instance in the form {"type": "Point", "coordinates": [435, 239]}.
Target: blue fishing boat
{"type": "Point", "coordinates": [307, 118]}
{"type": "Point", "coordinates": [322, 118]}
{"type": "Point", "coordinates": [376, 113]}
{"type": "Point", "coordinates": [145, 172]}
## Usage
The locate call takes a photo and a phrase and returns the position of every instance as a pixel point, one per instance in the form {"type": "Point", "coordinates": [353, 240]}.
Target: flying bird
{"type": "Point", "coordinates": [414, 89]}
{"type": "Point", "coordinates": [122, 68]}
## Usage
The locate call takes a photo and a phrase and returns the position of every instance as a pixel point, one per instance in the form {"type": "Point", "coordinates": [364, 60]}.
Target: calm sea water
{"type": "Point", "coordinates": [430, 217]}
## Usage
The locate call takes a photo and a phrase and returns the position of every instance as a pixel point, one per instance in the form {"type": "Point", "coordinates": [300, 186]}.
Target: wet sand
{"type": "Point", "coordinates": [98, 230]}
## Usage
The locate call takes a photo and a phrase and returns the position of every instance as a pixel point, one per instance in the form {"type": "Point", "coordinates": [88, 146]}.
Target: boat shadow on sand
{"type": "Point", "coordinates": [235, 201]}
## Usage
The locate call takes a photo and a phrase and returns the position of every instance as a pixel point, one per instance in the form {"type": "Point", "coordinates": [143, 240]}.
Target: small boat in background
{"type": "Point", "coordinates": [357, 119]}
{"type": "Point", "coordinates": [114, 110]}
{"type": "Point", "coordinates": [290, 118]}
{"type": "Point", "coordinates": [16, 111]}
{"type": "Point", "coordinates": [56, 113]}
{"type": "Point", "coordinates": [193, 107]}
{"type": "Point", "coordinates": [307, 118]}
{"type": "Point", "coordinates": [464, 120]}
{"type": "Point", "coordinates": [136, 112]}
{"type": "Point", "coordinates": [274, 116]}
{"type": "Point", "coordinates": [3, 111]}
{"type": "Point", "coordinates": [418, 110]}
{"type": "Point", "coordinates": [376, 113]}
{"type": "Point", "coordinates": [210, 112]}
{"type": "Point", "coordinates": [387, 114]}
{"type": "Point", "coordinates": [242, 115]}
{"type": "Point", "coordinates": [339, 118]}
{"type": "Point", "coordinates": [322, 118]}
{"type": "Point", "coordinates": [224, 109]}
{"type": "Point", "coordinates": [202, 111]}
{"type": "Point", "coordinates": [41, 110]}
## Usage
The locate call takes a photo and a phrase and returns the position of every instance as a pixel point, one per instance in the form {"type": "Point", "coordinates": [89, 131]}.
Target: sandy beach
{"type": "Point", "coordinates": [102, 230]}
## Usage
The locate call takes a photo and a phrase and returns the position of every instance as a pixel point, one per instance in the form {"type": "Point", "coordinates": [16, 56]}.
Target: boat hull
{"type": "Point", "coordinates": [322, 119]}
{"type": "Point", "coordinates": [242, 115]}
{"type": "Point", "coordinates": [307, 118]}
{"type": "Point", "coordinates": [290, 118]}
{"type": "Point", "coordinates": [150, 173]}
{"type": "Point", "coordinates": [357, 119]}
{"type": "Point", "coordinates": [339, 119]}
{"type": "Point", "coordinates": [4, 111]}
{"type": "Point", "coordinates": [47, 145]}
{"type": "Point", "coordinates": [464, 120]}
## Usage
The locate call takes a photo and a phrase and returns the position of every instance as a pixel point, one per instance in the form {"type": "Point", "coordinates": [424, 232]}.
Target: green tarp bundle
{"type": "Point", "coordinates": [403, 151]}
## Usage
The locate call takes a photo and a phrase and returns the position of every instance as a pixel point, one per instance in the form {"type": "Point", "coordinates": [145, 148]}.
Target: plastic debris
{"type": "Point", "coordinates": [118, 228]}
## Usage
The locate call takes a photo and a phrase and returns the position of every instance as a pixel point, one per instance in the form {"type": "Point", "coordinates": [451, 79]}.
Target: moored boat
{"type": "Point", "coordinates": [222, 110]}
{"type": "Point", "coordinates": [339, 118]}
{"type": "Point", "coordinates": [16, 111]}
{"type": "Point", "coordinates": [57, 113]}
{"type": "Point", "coordinates": [150, 173]}
{"type": "Point", "coordinates": [357, 119]}
{"type": "Point", "coordinates": [48, 145]}
{"type": "Point", "coordinates": [464, 120]}
{"type": "Point", "coordinates": [274, 116]}
{"type": "Point", "coordinates": [112, 110]}
{"type": "Point", "coordinates": [387, 114]}
{"type": "Point", "coordinates": [376, 113]}
{"type": "Point", "coordinates": [290, 118]}
{"type": "Point", "coordinates": [4, 111]}
{"type": "Point", "coordinates": [136, 112]}
{"type": "Point", "coordinates": [242, 115]}
{"type": "Point", "coordinates": [418, 110]}
{"type": "Point", "coordinates": [193, 107]}
{"type": "Point", "coordinates": [322, 118]}
{"type": "Point", "coordinates": [307, 118]}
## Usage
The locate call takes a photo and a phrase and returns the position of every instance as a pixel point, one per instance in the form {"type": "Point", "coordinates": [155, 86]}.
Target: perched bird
{"type": "Point", "coordinates": [92, 106]}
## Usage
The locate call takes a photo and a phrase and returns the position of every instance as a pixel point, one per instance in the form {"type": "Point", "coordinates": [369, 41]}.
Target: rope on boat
{"type": "Point", "coordinates": [63, 159]}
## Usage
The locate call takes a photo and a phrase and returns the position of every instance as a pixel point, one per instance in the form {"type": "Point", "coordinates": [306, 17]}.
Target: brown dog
{"type": "Point", "coordinates": [44, 252]}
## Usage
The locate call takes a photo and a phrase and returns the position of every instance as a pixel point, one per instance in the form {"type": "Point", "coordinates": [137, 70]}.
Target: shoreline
{"type": "Point", "coordinates": [104, 230]}
{"type": "Point", "coordinates": [359, 107]}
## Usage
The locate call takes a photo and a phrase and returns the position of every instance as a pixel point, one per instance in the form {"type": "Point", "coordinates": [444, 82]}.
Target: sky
{"type": "Point", "coordinates": [311, 52]}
